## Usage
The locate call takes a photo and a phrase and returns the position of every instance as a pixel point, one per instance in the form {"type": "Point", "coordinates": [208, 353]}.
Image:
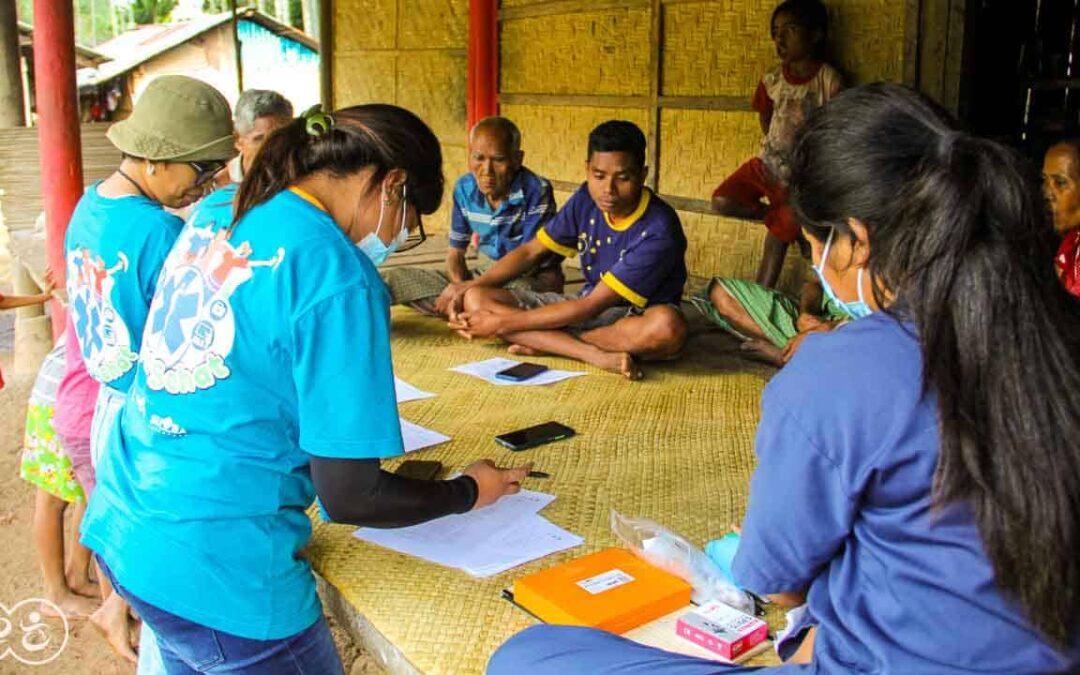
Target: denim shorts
{"type": "Point", "coordinates": [187, 647]}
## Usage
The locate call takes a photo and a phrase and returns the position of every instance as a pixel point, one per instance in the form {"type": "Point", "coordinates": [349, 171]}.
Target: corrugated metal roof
{"type": "Point", "coordinates": [133, 48]}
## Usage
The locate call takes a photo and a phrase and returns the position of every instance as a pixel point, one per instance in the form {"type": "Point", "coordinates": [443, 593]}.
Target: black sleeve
{"type": "Point", "coordinates": [358, 492]}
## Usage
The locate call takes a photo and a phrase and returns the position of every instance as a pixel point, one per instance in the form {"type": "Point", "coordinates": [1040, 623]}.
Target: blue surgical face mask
{"type": "Point", "coordinates": [856, 310]}
{"type": "Point", "coordinates": [372, 246]}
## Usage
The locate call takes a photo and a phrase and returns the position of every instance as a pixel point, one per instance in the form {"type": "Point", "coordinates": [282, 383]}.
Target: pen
{"type": "Point", "coordinates": [538, 474]}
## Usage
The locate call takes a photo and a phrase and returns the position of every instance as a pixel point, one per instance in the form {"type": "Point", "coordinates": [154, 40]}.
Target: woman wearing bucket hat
{"type": "Point", "coordinates": [178, 136]}
{"type": "Point", "coordinates": [265, 380]}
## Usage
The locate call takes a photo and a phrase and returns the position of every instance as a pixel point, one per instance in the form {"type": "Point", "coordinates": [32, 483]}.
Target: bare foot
{"type": "Point", "coordinates": [73, 606]}
{"type": "Point", "coordinates": [111, 620]}
{"type": "Point", "coordinates": [620, 363]}
{"type": "Point", "coordinates": [522, 350]}
{"type": "Point", "coordinates": [760, 350]}
{"type": "Point", "coordinates": [85, 588]}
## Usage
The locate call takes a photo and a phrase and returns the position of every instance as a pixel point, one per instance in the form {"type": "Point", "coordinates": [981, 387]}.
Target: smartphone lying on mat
{"type": "Point", "coordinates": [419, 469]}
{"type": "Point", "coordinates": [534, 436]}
{"type": "Point", "coordinates": [521, 372]}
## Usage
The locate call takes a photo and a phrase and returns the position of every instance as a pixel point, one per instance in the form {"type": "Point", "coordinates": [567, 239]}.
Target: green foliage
{"type": "Point", "coordinates": [152, 11]}
{"type": "Point", "coordinates": [26, 11]}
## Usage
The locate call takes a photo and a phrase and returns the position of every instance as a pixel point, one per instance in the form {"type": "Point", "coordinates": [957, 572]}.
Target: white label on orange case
{"type": "Point", "coordinates": [605, 582]}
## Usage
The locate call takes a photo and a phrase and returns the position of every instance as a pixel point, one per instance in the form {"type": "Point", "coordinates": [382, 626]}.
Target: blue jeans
{"type": "Point", "coordinates": [188, 647]}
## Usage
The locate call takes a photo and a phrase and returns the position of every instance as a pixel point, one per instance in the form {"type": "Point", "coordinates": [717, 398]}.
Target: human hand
{"type": "Point", "coordinates": [480, 324]}
{"type": "Point", "coordinates": [493, 482]}
{"type": "Point", "coordinates": [794, 343]}
{"type": "Point", "coordinates": [457, 323]}
{"type": "Point", "coordinates": [452, 299]}
{"type": "Point", "coordinates": [808, 322]}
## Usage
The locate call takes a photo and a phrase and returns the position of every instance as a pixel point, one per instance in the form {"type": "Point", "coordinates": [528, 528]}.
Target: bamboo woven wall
{"type": "Point", "coordinates": [683, 70]}
{"type": "Point", "coordinates": [411, 53]}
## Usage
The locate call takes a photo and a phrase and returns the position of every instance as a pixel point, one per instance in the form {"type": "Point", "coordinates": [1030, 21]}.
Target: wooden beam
{"type": "Point", "coordinates": [569, 7]}
{"type": "Point", "coordinates": [706, 102]}
{"type": "Point", "coordinates": [688, 204]}
{"type": "Point", "coordinates": [326, 53]}
{"type": "Point", "coordinates": [736, 103]}
{"type": "Point", "coordinates": [912, 21]}
{"type": "Point", "coordinates": [954, 56]}
{"type": "Point", "coordinates": [677, 203]}
{"type": "Point", "coordinates": [585, 100]}
{"type": "Point", "coordinates": [652, 134]}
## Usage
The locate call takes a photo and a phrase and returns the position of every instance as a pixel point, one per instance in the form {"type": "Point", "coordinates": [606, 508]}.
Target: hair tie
{"type": "Point", "coordinates": [316, 122]}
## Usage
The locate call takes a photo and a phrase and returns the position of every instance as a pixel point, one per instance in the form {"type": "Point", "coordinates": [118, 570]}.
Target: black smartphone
{"type": "Point", "coordinates": [521, 372]}
{"type": "Point", "coordinates": [419, 469]}
{"type": "Point", "coordinates": [534, 436]}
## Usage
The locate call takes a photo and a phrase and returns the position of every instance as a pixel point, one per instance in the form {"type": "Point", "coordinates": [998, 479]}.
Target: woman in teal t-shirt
{"type": "Point", "coordinates": [265, 380]}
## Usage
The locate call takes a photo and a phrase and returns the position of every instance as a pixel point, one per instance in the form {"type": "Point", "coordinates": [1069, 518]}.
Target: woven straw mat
{"type": "Point", "coordinates": [676, 447]}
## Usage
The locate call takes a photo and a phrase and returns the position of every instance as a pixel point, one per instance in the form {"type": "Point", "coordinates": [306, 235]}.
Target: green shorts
{"type": "Point", "coordinates": [776, 313]}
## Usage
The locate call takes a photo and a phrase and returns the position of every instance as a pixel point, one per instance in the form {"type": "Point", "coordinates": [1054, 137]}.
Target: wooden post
{"type": "Point", "coordinates": [60, 146]}
{"type": "Point", "coordinates": [236, 49]}
{"type": "Point", "coordinates": [11, 79]}
{"type": "Point", "coordinates": [483, 61]}
{"type": "Point", "coordinates": [326, 52]}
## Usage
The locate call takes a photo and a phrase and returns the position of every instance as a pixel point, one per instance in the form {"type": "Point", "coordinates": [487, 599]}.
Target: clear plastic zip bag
{"type": "Point", "coordinates": [672, 553]}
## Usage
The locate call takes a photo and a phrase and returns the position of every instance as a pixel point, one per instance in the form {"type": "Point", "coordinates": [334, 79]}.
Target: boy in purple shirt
{"type": "Point", "coordinates": [632, 251]}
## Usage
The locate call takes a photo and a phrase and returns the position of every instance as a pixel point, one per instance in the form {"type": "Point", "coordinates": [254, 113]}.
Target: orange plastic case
{"type": "Point", "coordinates": [611, 589]}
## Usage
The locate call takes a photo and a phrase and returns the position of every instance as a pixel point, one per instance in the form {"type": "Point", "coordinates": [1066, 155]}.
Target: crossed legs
{"type": "Point", "coordinates": [659, 333]}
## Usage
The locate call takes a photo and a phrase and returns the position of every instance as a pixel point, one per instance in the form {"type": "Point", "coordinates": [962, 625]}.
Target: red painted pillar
{"type": "Point", "coordinates": [59, 144]}
{"type": "Point", "coordinates": [483, 76]}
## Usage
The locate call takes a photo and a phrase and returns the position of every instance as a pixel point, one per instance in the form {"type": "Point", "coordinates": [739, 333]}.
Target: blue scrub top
{"type": "Point", "coordinates": [262, 349]}
{"type": "Point", "coordinates": [840, 504]}
{"type": "Point", "coordinates": [114, 248]}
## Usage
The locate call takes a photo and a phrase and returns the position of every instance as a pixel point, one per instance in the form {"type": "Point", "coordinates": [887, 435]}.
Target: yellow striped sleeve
{"type": "Point", "coordinates": [546, 240]}
{"type": "Point", "coordinates": [623, 290]}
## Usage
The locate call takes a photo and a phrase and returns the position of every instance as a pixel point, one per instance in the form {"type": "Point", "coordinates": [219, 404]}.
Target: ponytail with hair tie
{"type": "Point", "coordinates": [316, 122]}
{"type": "Point", "coordinates": [375, 136]}
{"type": "Point", "coordinates": [960, 235]}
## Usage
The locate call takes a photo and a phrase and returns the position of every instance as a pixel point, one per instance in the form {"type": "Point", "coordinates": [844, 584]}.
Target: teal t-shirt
{"type": "Point", "coordinates": [262, 349]}
{"type": "Point", "coordinates": [114, 248]}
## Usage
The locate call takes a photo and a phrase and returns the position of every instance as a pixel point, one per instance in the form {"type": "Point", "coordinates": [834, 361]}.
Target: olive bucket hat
{"type": "Point", "coordinates": [177, 119]}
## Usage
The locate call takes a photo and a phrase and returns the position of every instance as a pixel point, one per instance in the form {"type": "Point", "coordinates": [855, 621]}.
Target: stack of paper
{"type": "Point", "coordinates": [483, 542]}
{"type": "Point", "coordinates": [486, 370]}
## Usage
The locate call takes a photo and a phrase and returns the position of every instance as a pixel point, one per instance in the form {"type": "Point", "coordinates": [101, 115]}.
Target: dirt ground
{"type": "Point", "coordinates": [86, 651]}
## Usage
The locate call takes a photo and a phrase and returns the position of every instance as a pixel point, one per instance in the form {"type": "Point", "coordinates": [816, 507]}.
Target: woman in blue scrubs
{"type": "Point", "coordinates": [265, 380]}
{"type": "Point", "coordinates": [918, 479]}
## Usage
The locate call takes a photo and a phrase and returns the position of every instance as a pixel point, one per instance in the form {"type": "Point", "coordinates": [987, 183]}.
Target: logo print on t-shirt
{"type": "Point", "coordinates": [190, 330]}
{"type": "Point", "coordinates": [103, 336]}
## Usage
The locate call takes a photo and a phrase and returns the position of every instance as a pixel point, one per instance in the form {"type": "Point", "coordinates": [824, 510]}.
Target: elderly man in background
{"type": "Point", "coordinates": [501, 205]}
{"type": "Point", "coordinates": [259, 113]}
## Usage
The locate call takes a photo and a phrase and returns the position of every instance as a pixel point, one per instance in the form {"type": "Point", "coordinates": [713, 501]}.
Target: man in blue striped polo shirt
{"type": "Point", "coordinates": [500, 204]}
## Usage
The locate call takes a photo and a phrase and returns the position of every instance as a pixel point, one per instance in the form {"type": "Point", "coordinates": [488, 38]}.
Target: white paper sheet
{"type": "Point", "coordinates": [406, 392]}
{"type": "Point", "coordinates": [416, 437]}
{"type": "Point", "coordinates": [486, 370]}
{"type": "Point", "coordinates": [483, 542]}
{"type": "Point", "coordinates": [531, 538]}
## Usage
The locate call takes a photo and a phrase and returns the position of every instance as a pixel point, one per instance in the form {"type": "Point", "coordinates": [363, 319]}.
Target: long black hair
{"type": "Point", "coordinates": [376, 135]}
{"type": "Point", "coordinates": [961, 241]}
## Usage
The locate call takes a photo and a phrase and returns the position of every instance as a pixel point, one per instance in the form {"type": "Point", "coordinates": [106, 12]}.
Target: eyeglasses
{"type": "Point", "coordinates": [205, 171]}
{"type": "Point", "coordinates": [415, 239]}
